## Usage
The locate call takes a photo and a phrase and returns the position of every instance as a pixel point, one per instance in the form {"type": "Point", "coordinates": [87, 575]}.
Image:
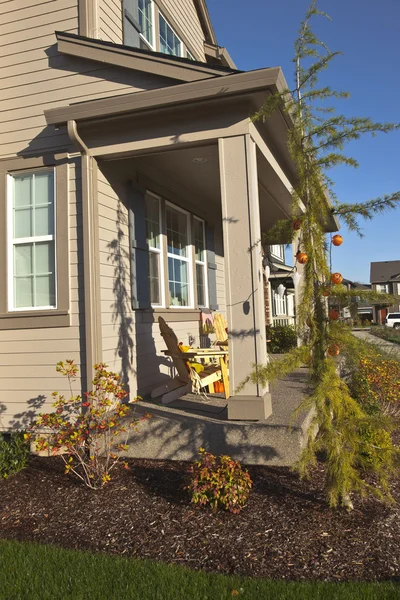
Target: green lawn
{"type": "Point", "coordinates": [34, 572]}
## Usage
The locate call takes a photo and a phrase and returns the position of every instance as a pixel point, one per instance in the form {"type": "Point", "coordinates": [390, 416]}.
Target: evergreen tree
{"type": "Point", "coordinates": [316, 141]}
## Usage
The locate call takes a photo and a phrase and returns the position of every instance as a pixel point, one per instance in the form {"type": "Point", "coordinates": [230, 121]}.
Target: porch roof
{"type": "Point", "coordinates": [138, 59]}
{"type": "Point", "coordinates": [248, 84]}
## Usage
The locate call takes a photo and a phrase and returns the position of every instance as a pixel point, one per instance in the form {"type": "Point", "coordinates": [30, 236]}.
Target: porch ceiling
{"type": "Point", "coordinates": [195, 172]}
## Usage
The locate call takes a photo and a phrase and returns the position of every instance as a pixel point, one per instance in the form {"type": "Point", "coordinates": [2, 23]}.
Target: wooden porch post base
{"type": "Point", "coordinates": [249, 408]}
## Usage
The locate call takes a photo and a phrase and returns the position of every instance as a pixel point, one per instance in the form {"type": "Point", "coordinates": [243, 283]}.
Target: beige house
{"type": "Point", "coordinates": [133, 184]}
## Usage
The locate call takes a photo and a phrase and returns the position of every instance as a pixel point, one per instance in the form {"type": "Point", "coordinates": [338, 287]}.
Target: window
{"type": "Point", "coordinates": [146, 20]}
{"type": "Point", "coordinates": [382, 288]}
{"type": "Point", "coordinates": [200, 255]}
{"type": "Point", "coordinates": [31, 249]}
{"type": "Point", "coordinates": [153, 236]}
{"type": "Point", "coordinates": [169, 41]}
{"type": "Point", "coordinates": [189, 55]}
{"type": "Point", "coordinates": [177, 267]}
{"type": "Point", "coordinates": [278, 251]}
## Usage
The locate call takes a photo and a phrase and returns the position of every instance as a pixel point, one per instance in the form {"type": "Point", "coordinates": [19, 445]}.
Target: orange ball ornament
{"type": "Point", "coordinates": [296, 225]}
{"type": "Point", "coordinates": [336, 278]}
{"type": "Point", "coordinates": [333, 350]}
{"type": "Point", "coordinates": [334, 314]}
{"type": "Point", "coordinates": [326, 291]}
{"type": "Point", "coordinates": [337, 240]}
{"type": "Point", "coordinates": [302, 258]}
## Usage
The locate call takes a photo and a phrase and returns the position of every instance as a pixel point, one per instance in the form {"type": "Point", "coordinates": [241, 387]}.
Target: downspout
{"type": "Point", "coordinates": [90, 238]}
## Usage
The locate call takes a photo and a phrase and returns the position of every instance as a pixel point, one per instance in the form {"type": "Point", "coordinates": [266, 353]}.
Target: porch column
{"type": "Point", "coordinates": [243, 275]}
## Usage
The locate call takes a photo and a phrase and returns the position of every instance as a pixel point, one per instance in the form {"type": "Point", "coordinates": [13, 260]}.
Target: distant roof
{"type": "Point", "coordinates": [383, 272]}
{"type": "Point", "coordinates": [356, 284]}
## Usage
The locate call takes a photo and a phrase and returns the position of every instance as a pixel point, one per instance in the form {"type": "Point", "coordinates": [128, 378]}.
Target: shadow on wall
{"type": "Point", "coordinates": [122, 319]}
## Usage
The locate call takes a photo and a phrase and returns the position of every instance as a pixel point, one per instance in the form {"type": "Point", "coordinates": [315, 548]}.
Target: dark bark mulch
{"type": "Point", "coordinates": [286, 530]}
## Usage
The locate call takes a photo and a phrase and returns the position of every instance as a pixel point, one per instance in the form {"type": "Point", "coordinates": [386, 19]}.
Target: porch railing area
{"type": "Point", "coordinates": [280, 320]}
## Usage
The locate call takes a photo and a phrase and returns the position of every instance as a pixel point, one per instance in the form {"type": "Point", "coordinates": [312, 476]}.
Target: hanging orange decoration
{"type": "Point", "coordinates": [302, 258]}
{"type": "Point", "coordinates": [296, 225]}
{"type": "Point", "coordinates": [326, 291]}
{"type": "Point", "coordinates": [337, 240]}
{"type": "Point", "coordinates": [333, 350]}
{"type": "Point", "coordinates": [334, 314]}
{"type": "Point", "coordinates": [336, 278]}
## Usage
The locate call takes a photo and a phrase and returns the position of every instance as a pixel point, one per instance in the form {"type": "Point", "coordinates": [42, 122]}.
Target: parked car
{"type": "Point", "coordinates": [393, 320]}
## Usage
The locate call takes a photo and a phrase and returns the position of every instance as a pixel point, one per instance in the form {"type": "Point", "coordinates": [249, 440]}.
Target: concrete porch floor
{"type": "Point", "coordinates": [178, 430]}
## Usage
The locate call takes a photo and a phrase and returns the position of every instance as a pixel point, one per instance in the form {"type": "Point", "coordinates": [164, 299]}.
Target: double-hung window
{"type": "Point", "coordinates": [146, 20]}
{"type": "Point", "coordinates": [169, 41]}
{"type": "Point", "coordinates": [31, 248]}
{"type": "Point", "coordinates": [177, 271]}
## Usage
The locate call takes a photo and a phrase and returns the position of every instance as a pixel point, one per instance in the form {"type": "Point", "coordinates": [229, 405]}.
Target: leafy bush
{"type": "Point", "coordinates": [219, 482]}
{"type": "Point", "coordinates": [376, 385]}
{"type": "Point", "coordinates": [283, 338]}
{"type": "Point", "coordinates": [14, 453]}
{"type": "Point", "coordinates": [85, 433]}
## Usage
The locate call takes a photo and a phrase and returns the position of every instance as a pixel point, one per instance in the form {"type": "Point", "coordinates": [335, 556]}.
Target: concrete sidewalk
{"type": "Point", "coordinates": [384, 344]}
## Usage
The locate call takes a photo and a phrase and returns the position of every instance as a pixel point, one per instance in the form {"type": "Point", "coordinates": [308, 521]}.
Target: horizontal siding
{"type": "Point", "coordinates": [28, 357]}
{"type": "Point", "coordinates": [116, 314]}
{"type": "Point", "coordinates": [35, 78]}
{"type": "Point", "coordinates": [185, 15]}
{"type": "Point", "coordinates": [110, 20]}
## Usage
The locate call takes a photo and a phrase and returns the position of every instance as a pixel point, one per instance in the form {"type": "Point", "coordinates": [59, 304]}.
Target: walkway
{"type": "Point", "coordinates": [384, 344]}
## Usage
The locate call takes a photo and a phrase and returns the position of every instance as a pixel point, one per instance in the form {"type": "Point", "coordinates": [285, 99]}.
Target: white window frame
{"type": "Point", "coordinates": [160, 252]}
{"type": "Point", "coordinates": [152, 44]}
{"type": "Point", "coordinates": [280, 254]}
{"type": "Point", "coordinates": [281, 303]}
{"type": "Point", "coordinates": [12, 242]}
{"type": "Point", "coordinates": [379, 287]}
{"type": "Point", "coordinates": [188, 258]}
{"type": "Point", "coordinates": [160, 14]}
{"type": "Point", "coordinates": [189, 55]}
{"type": "Point", "coordinates": [202, 263]}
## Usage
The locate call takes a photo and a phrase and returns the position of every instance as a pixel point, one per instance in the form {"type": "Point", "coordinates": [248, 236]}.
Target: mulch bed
{"type": "Point", "coordinates": [285, 532]}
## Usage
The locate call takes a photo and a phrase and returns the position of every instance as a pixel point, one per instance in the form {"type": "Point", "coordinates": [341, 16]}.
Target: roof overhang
{"type": "Point", "coordinates": [205, 21]}
{"type": "Point", "coordinates": [127, 57]}
{"type": "Point", "coordinates": [238, 84]}
{"type": "Point", "coordinates": [217, 53]}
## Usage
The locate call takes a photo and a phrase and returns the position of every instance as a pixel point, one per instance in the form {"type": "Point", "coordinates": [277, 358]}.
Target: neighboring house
{"type": "Point", "coordinates": [134, 184]}
{"type": "Point", "coordinates": [357, 309]}
{"type": "Point", "coordinates": [385, 278]}
{"type": "Point", "coordinates": [279, 309]}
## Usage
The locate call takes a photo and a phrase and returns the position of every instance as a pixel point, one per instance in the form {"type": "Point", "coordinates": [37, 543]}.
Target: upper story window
{"type": "Point", "coordinates": [189, 55]}
{"type": "Point", "coordinates": [278, 251]}
{"type": "Point", "coordinates": [382, 288]}
{"type": "Point", "coordinates": [31, 241]}
{"type": "Point", "coordinates": [146, 20]}
{"type": "Point", "coordinates": [169, 41]}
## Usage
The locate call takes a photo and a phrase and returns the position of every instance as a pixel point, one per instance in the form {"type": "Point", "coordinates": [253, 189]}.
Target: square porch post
{"type": "Point", "coordinates": [243, 275]}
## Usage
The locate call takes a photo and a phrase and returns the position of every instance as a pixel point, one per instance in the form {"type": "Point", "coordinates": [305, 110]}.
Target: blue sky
{"type": "Point", "coordinates": [260, 33]}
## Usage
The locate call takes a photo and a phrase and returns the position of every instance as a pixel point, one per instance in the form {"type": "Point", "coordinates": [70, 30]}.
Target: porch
{"type": "Point", "coordinates": [197, 151]}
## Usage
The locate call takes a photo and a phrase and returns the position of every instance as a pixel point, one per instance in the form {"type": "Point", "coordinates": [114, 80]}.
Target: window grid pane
{"type": "Point", "coordinates": [177, 232]}
{"type": "Point", "coordinates": [201, 288]}
{"type": "Point", "coordinates": [154, 277]}
{"type": "Point", "coordinates": [146, 20]}
{"type": "Point", "coordinates": [169, 41]}
{"type": "Point", "coordinates": [178, 282]}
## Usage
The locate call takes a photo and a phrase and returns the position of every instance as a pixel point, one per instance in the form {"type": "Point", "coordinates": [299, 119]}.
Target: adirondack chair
{"type": "Point", "coordinates": [220, 328]}
{"type": "Point", "coordinates": [187, 378]}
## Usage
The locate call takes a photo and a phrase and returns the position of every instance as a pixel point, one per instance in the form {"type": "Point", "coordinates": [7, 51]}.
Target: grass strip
{"type": "Point", "coordinates": [36, 572]}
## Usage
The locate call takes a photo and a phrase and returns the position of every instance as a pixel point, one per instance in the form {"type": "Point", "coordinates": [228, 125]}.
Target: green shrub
{"type": "Point", "coordinates": [14, 453]}
{"type": "Point", "coordinates": [283, 338]}
{"type": "Point", "coordinates": [377, 446]}
{"type": "Point", "coordinates": [218, 482]}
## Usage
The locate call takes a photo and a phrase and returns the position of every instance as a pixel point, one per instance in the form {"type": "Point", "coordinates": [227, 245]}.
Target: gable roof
{"type": "Point", "coordinates": [384, 272]}
{"type": "Point", "coordinates": [205, 21]}
{"type": "Point", "coordinates": [138, 59]}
